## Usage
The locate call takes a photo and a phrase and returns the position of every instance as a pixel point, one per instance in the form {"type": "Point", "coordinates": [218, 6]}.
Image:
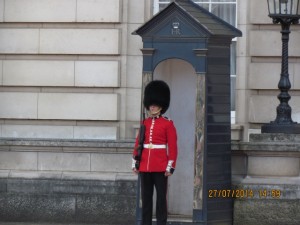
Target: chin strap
{"type": "Point", "coordinates": [157, 113]}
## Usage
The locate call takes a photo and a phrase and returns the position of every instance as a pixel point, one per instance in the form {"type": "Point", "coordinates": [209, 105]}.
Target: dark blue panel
{"type": "Point", "coordinates": [218, 69]}
{"type": "Point", "coordinates": [184, 51]}
{"type": "Point", "coordinates": [218, 119]}
{"type": "Point", "coordinates": [218, 89]}
{"type": "Point", "coordinates": [219, 148]}
{"type": "Point", "coordinates": [219, 185]}
{"type": "Point", "coordinates": [219, 160]}
{"type": "Point", "coordinates": [218, 99]}
{"type": "Point", "coordinates": [220, 215]}
{"type": "Point", "coordinates": [197, 215]}
{"type": "Point", "coordinates": [218, 79]}
{"type": "Point", "coordinates": [215, 166]}
{"type": "Point", "coordinates": [218, 138]}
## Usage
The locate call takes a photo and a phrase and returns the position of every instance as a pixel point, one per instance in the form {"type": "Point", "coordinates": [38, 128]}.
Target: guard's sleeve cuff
{"type": "Point", "coordinates": [170, 168]}
{"type": "Point", "coordinates": [133, 163]}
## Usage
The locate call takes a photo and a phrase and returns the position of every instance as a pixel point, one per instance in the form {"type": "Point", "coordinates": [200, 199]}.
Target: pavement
{"type": "Point", "coordinates": [45, 223]}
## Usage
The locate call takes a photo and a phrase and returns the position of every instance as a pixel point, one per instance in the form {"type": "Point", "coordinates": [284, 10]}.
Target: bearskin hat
{"type": "Point", "coordinates": [157, 92]}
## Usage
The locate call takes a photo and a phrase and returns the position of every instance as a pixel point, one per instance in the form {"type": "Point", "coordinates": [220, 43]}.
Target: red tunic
{"type": "Point", "coordinates": [159, 131]}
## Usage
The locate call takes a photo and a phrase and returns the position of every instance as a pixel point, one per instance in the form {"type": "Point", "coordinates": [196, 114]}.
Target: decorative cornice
{"type": "Point", "coordinates": [200, 52]}
{"type": "Point", "coordinates": [148, 51]}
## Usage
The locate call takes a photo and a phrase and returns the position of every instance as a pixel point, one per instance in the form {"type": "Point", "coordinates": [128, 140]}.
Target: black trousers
{"type": "Point", "coordinates": [160, 182]}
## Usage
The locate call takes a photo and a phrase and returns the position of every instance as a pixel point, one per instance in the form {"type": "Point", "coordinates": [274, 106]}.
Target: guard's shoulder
{"type": "Point", "coordinates": [166, 118]}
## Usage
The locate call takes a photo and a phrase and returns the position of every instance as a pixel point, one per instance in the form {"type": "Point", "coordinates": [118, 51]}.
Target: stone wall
{"type": "Point", "coordinates": [68, 200]}
{"type": "Point", "coordinates": [70, 79]}
{"type": "Point", "coordinates": [67, 181]}
{"type": "Point", "coordinates": [70, 69]}
{"type": "Point", "coordinates": [267, 171]}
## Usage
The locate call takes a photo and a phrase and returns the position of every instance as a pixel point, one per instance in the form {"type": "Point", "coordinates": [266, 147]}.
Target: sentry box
{"type": "Point", "coordinates": [189, 48]}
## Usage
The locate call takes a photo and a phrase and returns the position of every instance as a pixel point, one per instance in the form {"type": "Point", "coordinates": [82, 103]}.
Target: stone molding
{"type": "Point", "coordinates": [6, 144]}
{"type": "Point", "coordinates": [285, 145]}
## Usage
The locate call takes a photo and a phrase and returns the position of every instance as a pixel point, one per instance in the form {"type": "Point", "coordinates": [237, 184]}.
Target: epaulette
{"type": "Point", "coordinates": [166, 118]}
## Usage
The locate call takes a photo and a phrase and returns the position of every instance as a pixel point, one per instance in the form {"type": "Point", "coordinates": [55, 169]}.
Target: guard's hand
{"type": "Point", "coordinates": [135, 171]}
{"type": "Point", "coordinates": [167, 174]}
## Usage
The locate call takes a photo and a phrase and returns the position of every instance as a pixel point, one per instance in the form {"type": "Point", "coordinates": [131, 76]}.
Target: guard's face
{"type": "Point", "coordinates": [154, 110]}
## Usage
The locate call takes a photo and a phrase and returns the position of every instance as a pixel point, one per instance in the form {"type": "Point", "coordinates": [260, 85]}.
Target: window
{"type": "Point", "coordinates": [160, 5]}
{"type": "Point", "coordinates": [225, 9]}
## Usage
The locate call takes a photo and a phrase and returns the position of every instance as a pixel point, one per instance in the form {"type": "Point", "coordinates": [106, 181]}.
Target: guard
{"type": "Point", "coordinates": [158, 159]}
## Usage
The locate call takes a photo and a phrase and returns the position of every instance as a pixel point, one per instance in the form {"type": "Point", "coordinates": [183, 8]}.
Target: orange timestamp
{"type": "Point", "coordinates": [244, 193]}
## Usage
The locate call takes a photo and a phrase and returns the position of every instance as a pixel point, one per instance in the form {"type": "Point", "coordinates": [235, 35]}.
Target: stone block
{"type": "Point", "coordinates": [270, 43]}
{"type": "Point", "coordinates": [40, 11]}
{"type": "Point", "coordinates": [258, 12]}
{"type": "Point", "coordinates": [19, 41]}
{"type": "Point", "coordinates": [273, 166]}
{"type": "Point", "coordinates": [59, 132]}
{"type": "Point", "coordinates": [29, 186]}
{"type": "Point", "coordinates": [239, 165]}
{"type": "Point", "coordinates": [103, 133]}
{"type": "Point", "coordinates": [241, 15]}
{"type": "Point", "coordinates": [242, 101]}
{"type": "Point", "coordinates": [60, 73]}
{"type": "Point", "coordinates": [136, 12]}
{"type": "Point", "coordinates": [296, 81]}
{"type": "Point", "coordinates": [37, 131]}
{"type": "Point", "coordinates": [3, 186]}
{"type": "Point", "coordinates": [31, 207]}
{"type": "Point", "coordinates": [4, 173]}
{"type": "Point", "coordinates": [134, 71]}
{"type": "Point", "coordinates": [133, 106]}
{"type": "Point", "coordinates": [1, 72]}
{"type": "Point", "coordinates": [294, 39]}
{"type": "Point", "coordinates": [89, 176]}
{"type": "Point", "coordinates": [79, 41]}
{"type": "Point", "coordinates": [241, 44]}
{"type": "Point", "coordinates": [34, 175]}
{"type": "Point", "coordinates": [38, 73]}
{"type": "Point", "coordinates": [97, 74]}
{"type": "Point", "coordinates": [110, 162]}
{"type": "Point", "coordinates": [266, 46]}
{"type": "Point", "coordinates": [18, 105]}
{"type": "Point", "coordinates": [18, 160]}
{"type": "Point", "coordinates": [267, 108]}
{"type": "Point", "coordinates": [99, 11]}
{"type": "Point", "coordinates": [295, 109]}
{"type": "Point", "coordinates": [1, 10]}
{"type": "Point", "coordinates": [68, 201]}
{"type": "Point", "coordinates": [266, 211]}
{"type": "Point", "coordinates": [134, 42]}
{"type": "Point", "coordinates": [63, 161]}
{"type": "Point", "coordinates": [242, 70]}
{"type": "Point", "coordinates": [104, 208]}
{"type": "Point", "coordinates": [264, 75]}
{"type": "Point", "coordinates": [78, 106]}
{"type": "Point", "coordinates": [236, 132]}
{"type": "Point", "coordinates": [84, 187]}
{"type": "Point", "coordinates": [274, 138]}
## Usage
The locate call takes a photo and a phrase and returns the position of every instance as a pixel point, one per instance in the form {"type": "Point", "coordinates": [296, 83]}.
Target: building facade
{"type": "Point", "coordinates": [70, 100]}
{"type": "Point", "coordinates": [259, 67]}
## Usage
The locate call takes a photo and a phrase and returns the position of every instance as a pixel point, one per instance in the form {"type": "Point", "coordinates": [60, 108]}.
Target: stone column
{"type": "Point", "coordinates": [200, 134]}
